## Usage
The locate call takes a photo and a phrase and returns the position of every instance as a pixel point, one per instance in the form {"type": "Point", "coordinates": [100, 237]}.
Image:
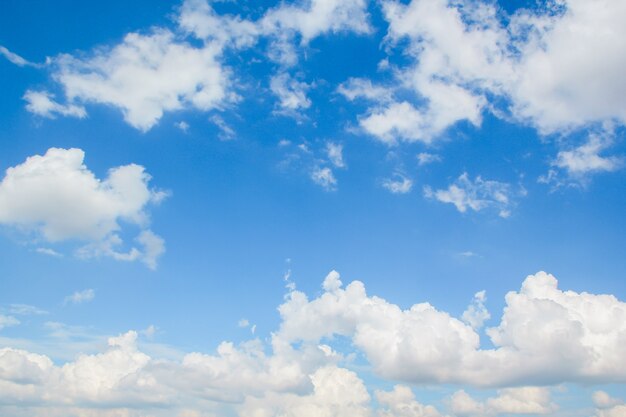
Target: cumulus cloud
{"type": "Point", "coordinates": [465, 59]}
{"type": "Point", "coordinates": [147, 75]}
{"type": "Point", "coordinates": [80, 297]}
{"type": "Point", "coordinates": [400, 402]}
{"type": "Point", "coordinates": [57, 197]}
{"type": "Point", "coordinates": [475, 195]}
{"type": "Point", "coordinates": [523, 400]}
{"type": "Point", "coordinates": [545, 336]}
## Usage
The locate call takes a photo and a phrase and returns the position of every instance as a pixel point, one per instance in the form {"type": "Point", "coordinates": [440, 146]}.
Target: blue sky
{"type": "Point", "coordinates": [293, 209]}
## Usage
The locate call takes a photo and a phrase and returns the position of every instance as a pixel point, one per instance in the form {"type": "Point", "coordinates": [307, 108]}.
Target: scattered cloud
{"type": "Point", "coordinates": [49, 252]}
{"type": "Point", "coordinates": [42, 104]}
{"type": "Point", "coordinates": [334, 152]}
{"type": "Point", "coordinates": [57, 197]}
{"type": "Point", "coordinates": [425, 158]}
{"type": "Point", "coordinates": [226, 132]}
{"type": "Point", "coordinates": [291, 93]}
{"type": "Point", "coordinates": [399, 184]}
{"type": "Point", "coordinates": [26, 310]}
{"type": "Point", "coordinates": [324, 177]}
{"type": "Point", "coordinates": [475, 195]}
{"type": "Point", "coordinates": [80, 297]}
{"type": "Point", "coordinates": [476, 313]}
{"type": "Point", "coordinates": [183, 126]}
{"type": "Point", "coordinates": [586, 158]}
{"type": "Point", "coordinates": [7, 321]}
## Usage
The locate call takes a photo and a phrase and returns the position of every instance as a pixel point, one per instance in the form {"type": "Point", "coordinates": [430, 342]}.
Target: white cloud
{"type": "Point", "coordinates": [291, 93]}
{"type": "Point", "coordinates": [147, 75]}
{"type": "Point", "coordinates": [523, 400]}
{"type": "Point", "coordinates": [336, 392]}
{"type": "Point", "coordinates": [324, 177]}
{"type": "Point", "coordinates": [425, 158]}
{"type": "Point", "coordinates": [465, 59]}
{"type": "Point", "coordinates": [7, 321]}
{"type": "Point", "coordinates": [400, 402]}
{"type": "Point", "coordinates": [226, 132]}
{"type": "Point", "coordinates": [603, 400]}
{"type": "Point", "coordinates": [586, 158]}
{"type": "Point", "coordinates": [399, 184]}
{"type": "Point", "coordinates": [199, 18]}
{"type": "Point", "coordinates": [335, 154]}
{"type": "Point", "coordinates": [56, 196]}
{"type": "Point", "coordinates": [182, 125]}
{"type": "Point", "coordinates": [545, 336]}
{"type": "Point", "coordinates": [80, 297]}
{"type": "Point", "coordinates": [317, 17]}
{"type": "Point", "coordinates": [475, 195]}
{"type": "Point", "coordinates": [14, 58]}
{"type": "Point", "coordinates": [476, 313]}
{"type": "Point", "coordinates": [26, 310]}
{"type": "Point", "coordinates": [363, 88]}
{"type": "Point", "coordinates": [49, 252]}
{"type": "Point", "coordinates": [42, 104]}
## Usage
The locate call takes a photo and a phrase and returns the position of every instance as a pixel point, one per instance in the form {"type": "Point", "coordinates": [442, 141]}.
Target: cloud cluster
{"type": "Point", "coordinates": [163, 70]}
{"type": "Point", "coordinates": [59, 199]}
{"type": "Point", "coordinates": [545, 336]}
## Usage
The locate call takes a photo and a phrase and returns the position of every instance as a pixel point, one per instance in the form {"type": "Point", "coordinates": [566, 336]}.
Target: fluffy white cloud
{"type": "Point", "coordinates": [316, 17]}
{"type": "Point", "coordinates": [464, 59]}
{"type": "Point", "coordinates": [475, 195]}
{"type": "Point", "coordinates": [336, 392]}
{"type": "Point", "coordinates": [586, 158]}
{"type": "Point", "coordinates": [147, 75]}
{"type": "Point", "coordinates": [80, 297]}
{"type": "Point", "coordinates": [398, 184]}
{"type": "Point", "coordinates": [524, 400]}
{"type": "Point", "coordinates": [476, 313]}
{"type": "Point", "coordinates": [400, 402]}
{"type": "Point", "coordinates": [57, 196]}
{"type": "Point", "coordinates": [545, 336]}
{"type": "Point", "coordinates": [41, 103]}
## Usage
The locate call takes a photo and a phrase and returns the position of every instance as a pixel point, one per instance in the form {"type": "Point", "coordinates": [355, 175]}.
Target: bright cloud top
{"type": "Point", "coordinates": [56, 196]}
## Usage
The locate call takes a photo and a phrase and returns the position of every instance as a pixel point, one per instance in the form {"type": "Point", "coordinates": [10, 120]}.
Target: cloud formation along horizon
{"type": "Point", "coordinates": [545, 337]}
